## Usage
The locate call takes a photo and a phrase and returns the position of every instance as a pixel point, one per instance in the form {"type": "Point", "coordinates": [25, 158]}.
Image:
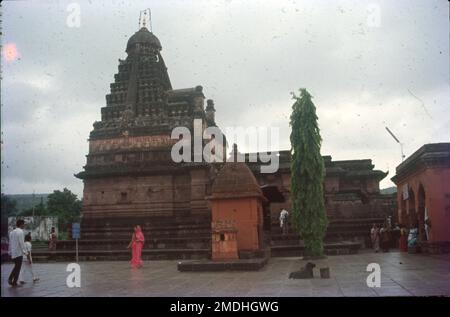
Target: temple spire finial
{"type": "Point", "coordinates": [145, 17]}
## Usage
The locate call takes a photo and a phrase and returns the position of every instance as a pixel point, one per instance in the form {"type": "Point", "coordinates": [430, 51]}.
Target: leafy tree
{"type": "Point", "coordinates": [9, 208]}
{"type": "Point", "coordinates": [65, 205]}
{"type": "Point", "coordinates": [38, 210]}
{"type": "Point", "coordinates": [307, 175]}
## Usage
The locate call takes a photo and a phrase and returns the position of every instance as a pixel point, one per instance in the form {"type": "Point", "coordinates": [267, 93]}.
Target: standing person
{"type": "Point", "coordinates": [385, 238]}
{"type": "Point", "coordinates": [395, 235]}
{"type": "Point", "coordinates": [427, 224]}
{"type": "Point", "coordinates": [284, 214]}
{"type": "Point", "coordinates": [136, 245]}
{"type": "Point", "coordinates": [412, 238]}
{"type": "Point", "coordinates": [27, 268]}
{"type": "Point", "coordinates": [16, 250]}
{"type": "Point", "coordinates": [403, 241]}
{"type": "Point", "coordinates": [375, 237]}
{"type": "Point", "coordinates": [53, 239]}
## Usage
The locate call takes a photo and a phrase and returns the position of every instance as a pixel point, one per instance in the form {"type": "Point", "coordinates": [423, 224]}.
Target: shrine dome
{"type": "Point", "coordinates": [235, 179]}
{"type": "Point", "coordinates": [143, 36]}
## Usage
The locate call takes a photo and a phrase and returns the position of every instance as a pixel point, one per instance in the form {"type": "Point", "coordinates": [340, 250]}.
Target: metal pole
{"type": "Point", "coordinates": [76, 248]}
{"type": "Point", "coordinates": [397, 140]}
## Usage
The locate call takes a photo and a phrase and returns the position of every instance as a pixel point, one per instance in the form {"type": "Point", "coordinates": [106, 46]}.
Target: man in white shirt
{"type": "Point", "coordinates": [284, 214]}
{"type": "Point", "coordinates": [17, 250]}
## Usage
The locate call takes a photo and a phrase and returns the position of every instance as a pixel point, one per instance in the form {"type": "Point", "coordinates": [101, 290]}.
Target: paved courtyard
{"type": "Point", "coordinates": [401, 275]}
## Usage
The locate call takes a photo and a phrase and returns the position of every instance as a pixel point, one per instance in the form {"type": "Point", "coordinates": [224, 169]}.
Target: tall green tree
{"type": "Point", "coordinates": [307, 175]}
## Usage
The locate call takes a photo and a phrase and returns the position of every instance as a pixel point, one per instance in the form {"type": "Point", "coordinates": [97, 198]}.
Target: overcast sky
{"type": "Point", "coordinates": [368, 64]}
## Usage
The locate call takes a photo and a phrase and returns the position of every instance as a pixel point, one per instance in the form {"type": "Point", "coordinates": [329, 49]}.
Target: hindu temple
{"type": "Point", "coordinates": [129, 179]}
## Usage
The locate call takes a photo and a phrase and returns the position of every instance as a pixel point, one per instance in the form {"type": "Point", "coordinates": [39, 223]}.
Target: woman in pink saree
{"type": "Point", "coordinates": [136, 245]}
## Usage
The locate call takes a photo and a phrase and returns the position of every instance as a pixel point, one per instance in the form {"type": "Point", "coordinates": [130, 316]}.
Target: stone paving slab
{"type": "Point", "coordinates": [401, 275]}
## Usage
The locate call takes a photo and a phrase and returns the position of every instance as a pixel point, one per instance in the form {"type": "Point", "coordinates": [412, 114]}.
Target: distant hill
{"type": "Point", "coordinates": [27, 201]}
{"type": "Point", "coordinates": [389, 190]}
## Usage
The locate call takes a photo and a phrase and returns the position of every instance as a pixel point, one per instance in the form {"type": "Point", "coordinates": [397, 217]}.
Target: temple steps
{"type": "Point", "coordinates": [288, 239]}
{"type": "Point", "coordinates": [121, 255]}
{"type": "Point", "coordinates": [354, 230]}
{"type": "Point", "coordinates": [143, 221]}
{"type": "Point", "coordinates": [182, 227]}
{"type": "Point", "coordinates": [190, 238]}
{"type": "Point", "coordinates": [147, 228]}
{"type": "Point", "coordinates": [196, 242]}
{"type": "Point", "coordinates": [339, 248]}
{"type": "Point", "coordinates": [155, 234]}
{"type": "Point", "coordinates": [177, 237]}
{"type": "Point", "coordinates": [182, 253]}
{"type": "Point", "coordinates": [354, 226]}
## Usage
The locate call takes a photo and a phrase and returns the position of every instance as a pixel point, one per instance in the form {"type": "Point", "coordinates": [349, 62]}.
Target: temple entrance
{"type": "Point", "coordinates": [421, 213]}
{"type": "Point", "coordinates": [273, 194]}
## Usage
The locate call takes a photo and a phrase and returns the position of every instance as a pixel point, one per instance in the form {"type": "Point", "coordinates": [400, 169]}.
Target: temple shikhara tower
{"type": "Point", "coordinates": [130, 178]}
{"type": "Point", "coordinates": [129, 170]}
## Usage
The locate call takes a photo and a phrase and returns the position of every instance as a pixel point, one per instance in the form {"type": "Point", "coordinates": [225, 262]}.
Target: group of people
{"type": "Point", "coordinates": [399, 236]}
{"type": "Point", "coordinates": [20, 252]}
{"type": "Point", "coordinates": [382, 238]}
{"type": "Point", "coordinates": [19, 249]}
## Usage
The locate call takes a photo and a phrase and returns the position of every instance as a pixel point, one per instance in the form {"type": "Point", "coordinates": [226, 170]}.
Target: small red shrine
{"type": "Point", "coordinates": [237, 211]}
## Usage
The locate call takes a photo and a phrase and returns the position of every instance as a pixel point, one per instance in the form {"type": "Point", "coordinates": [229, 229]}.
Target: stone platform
{"type": "Point", "coordinates": [215, 266]}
